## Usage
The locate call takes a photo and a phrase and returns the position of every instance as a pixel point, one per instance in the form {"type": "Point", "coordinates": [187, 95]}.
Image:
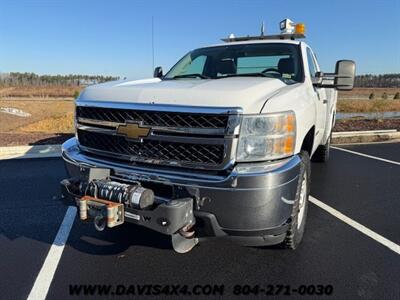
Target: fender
{"type": "Point", "coordinates": [295, 97]}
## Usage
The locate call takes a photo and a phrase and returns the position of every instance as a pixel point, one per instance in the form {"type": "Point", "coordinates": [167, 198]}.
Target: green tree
{"type": "Point", "coordinates": [76, 94]}
{"type": "Point", "coordinates": [396, 96]}
{"type": "Point", "coordinates": [371, 96]}
{"type": "Point", "coordinates": [384, 96]}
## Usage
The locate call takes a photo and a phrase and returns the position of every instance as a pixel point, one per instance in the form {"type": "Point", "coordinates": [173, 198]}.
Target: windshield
{"type": "Point", "coordinates": [276, 60]}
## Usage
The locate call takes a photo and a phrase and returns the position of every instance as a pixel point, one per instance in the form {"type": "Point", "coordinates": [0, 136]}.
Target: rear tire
{"type": "Point", "coordinates": [322, 152]}
{"type": "Point", "coordinates": [296, 228]}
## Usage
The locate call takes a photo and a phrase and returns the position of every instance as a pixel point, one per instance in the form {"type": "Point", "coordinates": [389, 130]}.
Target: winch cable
{"type": "Point", "coordinates": [132, 195]}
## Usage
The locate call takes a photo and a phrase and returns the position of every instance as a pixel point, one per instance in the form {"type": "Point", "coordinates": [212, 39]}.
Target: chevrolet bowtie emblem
{"type": "Point", "coordinates": [133, 131]}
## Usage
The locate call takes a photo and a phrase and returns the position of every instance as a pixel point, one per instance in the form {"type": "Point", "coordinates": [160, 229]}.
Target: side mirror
{"type": "Point", "coordinates": [344, 75]}
{"type": "Point", "coordinates": [158, 73]}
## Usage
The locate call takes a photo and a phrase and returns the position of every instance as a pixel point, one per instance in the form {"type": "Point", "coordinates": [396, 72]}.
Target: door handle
{"type": "Point", "coordinates": [325, 101]}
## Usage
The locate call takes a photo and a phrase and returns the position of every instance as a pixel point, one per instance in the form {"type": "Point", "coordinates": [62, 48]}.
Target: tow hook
{"type": "Point", "coordinates": [104, 212]}
{"type": "Point", "coordinates": [184, 240]}
{"type": "Point", "coordinates": [100, 222]}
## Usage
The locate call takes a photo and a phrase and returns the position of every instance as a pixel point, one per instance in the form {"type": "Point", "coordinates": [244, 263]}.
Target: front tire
{"type": "Point", "coordinates": [295, 232]}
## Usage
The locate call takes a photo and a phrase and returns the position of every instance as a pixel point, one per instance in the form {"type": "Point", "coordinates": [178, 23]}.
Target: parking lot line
{"type": "Point", "coordinates": [46, 274]}
{"type": "Point", "coordinates": [368, 232]}
{"type": "Point", "coordinates": [366, 155]}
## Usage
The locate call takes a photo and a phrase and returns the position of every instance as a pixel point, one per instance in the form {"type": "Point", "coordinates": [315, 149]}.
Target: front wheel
{"type": "Point", "coordinates": [295, 232]}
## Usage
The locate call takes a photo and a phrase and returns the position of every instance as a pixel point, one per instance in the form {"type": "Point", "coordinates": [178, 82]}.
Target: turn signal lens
{"type": "Point", "coordinates": [290, 123]}
{"type": "Point", "coordinates": [289, 145]}
{"type": "Point", "coordinates": [300, 28]}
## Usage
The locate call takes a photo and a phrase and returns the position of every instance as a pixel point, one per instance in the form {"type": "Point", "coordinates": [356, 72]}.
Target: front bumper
{"type": "Point", "coordinates": [251, 204]}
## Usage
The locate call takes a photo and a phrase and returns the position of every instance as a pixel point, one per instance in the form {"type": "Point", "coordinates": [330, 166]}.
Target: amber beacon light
{"type": "Point", "coordinates": [287, 26]}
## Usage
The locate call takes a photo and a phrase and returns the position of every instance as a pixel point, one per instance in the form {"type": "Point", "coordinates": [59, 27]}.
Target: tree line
{"type": "Point", "coordinates": [378, 81]}
{"type": "Point", "coordinates": [32, 79]}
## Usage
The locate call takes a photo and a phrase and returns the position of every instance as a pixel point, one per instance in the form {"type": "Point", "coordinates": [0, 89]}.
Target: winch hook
{"type": "Point", "coordinates": [100, 222]}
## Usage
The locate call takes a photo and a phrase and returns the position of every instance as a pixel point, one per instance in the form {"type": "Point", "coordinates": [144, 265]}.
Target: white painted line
{"type": "Point", "coordinates": [368, 232]}
{"type": "Point", "coordinates": [366, 155]}
{"type": "Point", "coordinates": [46, 274]}
{"type": "Point", "coordinates": [368, 143]}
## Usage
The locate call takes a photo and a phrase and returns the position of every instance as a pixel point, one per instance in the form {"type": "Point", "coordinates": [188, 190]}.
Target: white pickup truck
{"type": "Point", "coordinates": [220, 146]}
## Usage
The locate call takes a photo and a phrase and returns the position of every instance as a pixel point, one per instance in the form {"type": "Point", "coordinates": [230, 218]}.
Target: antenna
{"type": "Point", "coordinates": [152, 40]}
{"type": "Point", "coordinates": [262, 28]}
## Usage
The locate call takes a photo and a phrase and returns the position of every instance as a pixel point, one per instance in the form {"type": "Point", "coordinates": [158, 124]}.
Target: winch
{"type": "Point", "coordinates": [110, 203]}
{"type": "Point", "coordinates": [134, 196]}
{"type": "Point", "coordinates": [105, 201]}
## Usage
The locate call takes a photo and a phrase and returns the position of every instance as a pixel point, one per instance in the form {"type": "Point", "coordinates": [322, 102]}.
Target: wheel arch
{"type": "Point", "coordinates": [308, 141]}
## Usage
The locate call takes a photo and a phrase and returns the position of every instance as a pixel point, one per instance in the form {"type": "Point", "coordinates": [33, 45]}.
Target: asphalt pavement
{"type": "Point", "coordinates": [332, 253]}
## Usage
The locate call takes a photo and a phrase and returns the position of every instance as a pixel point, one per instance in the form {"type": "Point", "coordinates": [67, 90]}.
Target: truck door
{"type": "Point", "coordinates": [321, 100]}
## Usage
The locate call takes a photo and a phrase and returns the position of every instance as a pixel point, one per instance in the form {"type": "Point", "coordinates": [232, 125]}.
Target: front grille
{"type": "Point", "coordinates": [154, 118]}
{"type": "Point", "coordinates": [151, 150]}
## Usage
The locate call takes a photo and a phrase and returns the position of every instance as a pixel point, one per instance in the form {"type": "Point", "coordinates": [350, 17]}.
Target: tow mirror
{"type": "Point", "coordinates": [344, 75]}
{"type": "Point", "coordinates": [158, 73]}
{"type": "Point", "coordinates": [342, 79]}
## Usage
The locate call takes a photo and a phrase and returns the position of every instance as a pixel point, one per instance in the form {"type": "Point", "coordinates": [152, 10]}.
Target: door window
{"type": "Point", "coordinates": [311, 63]}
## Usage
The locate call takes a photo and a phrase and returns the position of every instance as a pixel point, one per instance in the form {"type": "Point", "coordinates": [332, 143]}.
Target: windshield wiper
{"type": "Point", "coordinates": [194, 75]}
{"type": "Point", "coordinates": [245, 75]}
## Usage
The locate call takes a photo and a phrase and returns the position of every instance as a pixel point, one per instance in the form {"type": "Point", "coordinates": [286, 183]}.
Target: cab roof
{"type": "Point", "coordinates": [269, 41]}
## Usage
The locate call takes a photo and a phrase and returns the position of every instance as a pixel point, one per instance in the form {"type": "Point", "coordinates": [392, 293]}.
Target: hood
{"type": "Point", "coordinates": [248, 93]}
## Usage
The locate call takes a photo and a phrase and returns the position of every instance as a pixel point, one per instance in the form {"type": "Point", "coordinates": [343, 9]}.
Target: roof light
{"type": "Point", "coordinates": [287, 26]}
{"type": "Point", "coordinates": [289, 30]}
{"type": "Point", "coordinates": [300, 28]}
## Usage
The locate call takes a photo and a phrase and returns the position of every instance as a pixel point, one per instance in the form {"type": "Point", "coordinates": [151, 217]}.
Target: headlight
{"type": "Point", "coordinates": [267, 137]}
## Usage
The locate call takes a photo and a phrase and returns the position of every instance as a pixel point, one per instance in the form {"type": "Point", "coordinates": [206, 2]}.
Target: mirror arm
{"type": "Point", "coordinates": [320, 77]}
{"type": "Point", "coordinates": [317, 79]}
{"type": "Point", "coordinates": [334, 75]}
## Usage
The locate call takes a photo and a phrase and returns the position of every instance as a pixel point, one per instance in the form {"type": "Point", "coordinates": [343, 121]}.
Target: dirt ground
{"type": "Point", "coordinates": [376, 105]}
{"type": "Point", "coordinates": [41, 92]}
{"type": "Point", "coordinates": [358, 125]}
{"type": "Point", "coordinates": [19, 139]}
{"type": "Point", "coordinates": [51, 116]}
{"type": "Point", "coordinates": [363, 93]}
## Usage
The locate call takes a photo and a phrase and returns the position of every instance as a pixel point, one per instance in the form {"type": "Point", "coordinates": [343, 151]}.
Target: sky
{"type": "Point", "coordinates": [115, 37]}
